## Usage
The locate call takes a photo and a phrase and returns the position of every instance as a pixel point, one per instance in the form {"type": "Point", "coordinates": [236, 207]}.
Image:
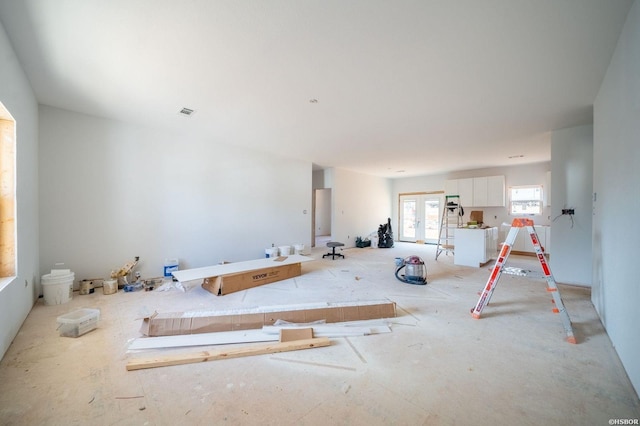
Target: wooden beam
{"type": "Point", "coordinates": [167, 360]}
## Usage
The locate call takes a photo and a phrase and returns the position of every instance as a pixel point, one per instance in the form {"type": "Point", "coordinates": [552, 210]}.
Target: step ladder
{"type": "Point", "coordinates": [499, 268]}
{"type": "Point", "coordinates": [451, 219]}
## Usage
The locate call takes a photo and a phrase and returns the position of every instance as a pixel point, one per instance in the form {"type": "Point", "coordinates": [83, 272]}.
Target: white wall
{"type": "Point", "coordinates": [361, 203]}
{"type": "Point", "coordinates": [18, 296]}
{"type": "Point", "coordinates": [616, 175]}
{"type": "Point", "coordinates": [572, 176]}
{"type": "Point", "coordinates": [110, 191]}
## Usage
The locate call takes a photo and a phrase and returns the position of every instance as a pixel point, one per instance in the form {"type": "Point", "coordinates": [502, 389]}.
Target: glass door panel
{"type": "Point", "coordinates": [408, 218]}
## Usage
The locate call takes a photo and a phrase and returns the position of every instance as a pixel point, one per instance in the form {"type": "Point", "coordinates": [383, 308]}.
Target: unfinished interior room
{"type": "Point", "coordinates": [303, 212]}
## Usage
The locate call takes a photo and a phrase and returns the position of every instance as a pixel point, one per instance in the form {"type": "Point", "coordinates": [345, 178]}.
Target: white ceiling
{"type": "Point", "coordinates": [424, 86]}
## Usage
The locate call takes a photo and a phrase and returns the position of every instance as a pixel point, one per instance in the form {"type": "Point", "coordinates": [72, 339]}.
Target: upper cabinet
{"type": "Point", "coordinates": [462, 188]}
{"type": "Point", "coordinates": [478, 192]}
{"type": "Point", "coordinates": [495, 191]}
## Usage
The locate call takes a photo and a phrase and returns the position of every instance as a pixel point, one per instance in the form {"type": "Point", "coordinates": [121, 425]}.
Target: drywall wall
{"type": "Point", "coordinates": [110, 191]}
{"type": "Point", "coordinates": [526, 174]}
{"type": "Point", "coordinates": [572, 176]}
{"type": "Point", "coordinates": [18, 295]}
{"type": "Point", "coordinates": [360, 203]}
{"type": "Point", "coordinates": [616, 173]}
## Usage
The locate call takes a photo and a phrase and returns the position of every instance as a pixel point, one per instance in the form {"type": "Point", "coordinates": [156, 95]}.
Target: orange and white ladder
{"type": "Point", "coordinates": [497, 270]}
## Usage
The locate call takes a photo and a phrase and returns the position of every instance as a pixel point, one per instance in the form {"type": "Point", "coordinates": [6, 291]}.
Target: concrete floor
{"type": "Point", "coordinates": [437, 367]}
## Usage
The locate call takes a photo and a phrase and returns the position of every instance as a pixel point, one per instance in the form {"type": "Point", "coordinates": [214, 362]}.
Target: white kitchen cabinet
{"type": "Point", "coordinates": [451, 187]}
{"type": "Point", "coordinates": [478, 192]}
{"type": "Point", "coordinates": [495, 191]}
{"type": "Point", "coordinates": [480, 187]}
{"type": "Point", "coordinates": [462, 188]}
{"type": "Point", "coordinates": [475, 247]}
{"type": "Point", "coordinates": [523, 239]}
{"type": "Point", "coordinates": [465, 188]}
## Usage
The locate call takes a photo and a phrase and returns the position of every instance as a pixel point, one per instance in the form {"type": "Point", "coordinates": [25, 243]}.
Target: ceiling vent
{"type": "Point", "coordinates": [187, 111]}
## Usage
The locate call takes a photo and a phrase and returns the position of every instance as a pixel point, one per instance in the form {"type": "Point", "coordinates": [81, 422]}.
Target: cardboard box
{"type": "Point", "coordinates": [229, 283]}
{"type": "Point", "coordinates": [477, 216]}
{"type": "Point", "coordinates": [170, 324]}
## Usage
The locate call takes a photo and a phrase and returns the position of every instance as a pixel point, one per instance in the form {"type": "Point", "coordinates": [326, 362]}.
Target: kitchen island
{"type": "Point", "coordinates": [475, 246]}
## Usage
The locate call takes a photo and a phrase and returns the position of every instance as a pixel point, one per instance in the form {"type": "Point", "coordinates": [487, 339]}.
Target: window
{"type": "Point", "coordinates": [7, 194]}
{"type": "Point", "coordinates": [525, 200]}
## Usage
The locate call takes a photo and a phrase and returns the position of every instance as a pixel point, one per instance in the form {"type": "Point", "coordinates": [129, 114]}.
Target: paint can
{"type": "Point", "coordinates": [298, 248]}
{"type": "Point", "coordinates": [86, 287]}
{"type": "Point", "coordinates": [170, 265]}
{"type": "Point", "coordinates": [110, 286]}
{"type": "Point", "coordinates": [285, 250]}
{"type": "Point", "coordinates": [271, 252]}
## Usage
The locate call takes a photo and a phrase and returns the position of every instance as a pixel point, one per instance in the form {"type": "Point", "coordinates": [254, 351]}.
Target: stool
{"type": "Point", "coordinates": [333, 254]}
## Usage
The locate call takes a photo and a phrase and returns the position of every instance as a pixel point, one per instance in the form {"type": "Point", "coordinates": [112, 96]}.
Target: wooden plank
{"type": "Point", "coordinates": [167, 360]}
{"type": "Point", "coordinates": [235, 267]}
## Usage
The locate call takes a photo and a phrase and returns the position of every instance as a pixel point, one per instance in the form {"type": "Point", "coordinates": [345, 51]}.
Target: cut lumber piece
{"type": "Point", "coordinates": [167, 360]}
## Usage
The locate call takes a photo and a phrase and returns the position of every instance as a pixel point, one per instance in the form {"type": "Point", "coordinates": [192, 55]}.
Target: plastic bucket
{"type": "Point", "coordinates": [170, 265]}
{"type": "Point", "coordinates": [109, 286]}
{"type": "Point", "coordinates": [271, 252]}
{"type": "Point", "coordinates": [298, 248]}
{"type": "Point", "coordinates": [285, 250]}
{"type": "Point", "coordinates": [57, 289]}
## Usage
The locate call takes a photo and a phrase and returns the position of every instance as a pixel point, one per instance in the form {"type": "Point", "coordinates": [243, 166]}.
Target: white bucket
{"type": "Point", "coordinates": [298, 248]}
{"type": "Point", "coordinates": [58, 288]}
{"type": "Point", "coordinates": [271, 252]}
{"type": "Point", "coordinates": [110, 286]}
{"type": "Point", "coordinates": [285, 250]}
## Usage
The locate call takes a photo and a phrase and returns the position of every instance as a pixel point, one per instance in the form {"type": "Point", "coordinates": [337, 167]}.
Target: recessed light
{"type": "Point", "coordinates": [187, 111]}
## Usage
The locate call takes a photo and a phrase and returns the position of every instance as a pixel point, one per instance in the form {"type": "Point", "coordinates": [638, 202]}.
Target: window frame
{"type": "Point", "coordinates": [539, 200]}
{"type": "Point", "coordinates": [8, 216]}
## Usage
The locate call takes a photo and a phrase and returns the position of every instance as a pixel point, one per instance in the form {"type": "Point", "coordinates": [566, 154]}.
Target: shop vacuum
{"type": "Point", "coordinates": [415, 270]}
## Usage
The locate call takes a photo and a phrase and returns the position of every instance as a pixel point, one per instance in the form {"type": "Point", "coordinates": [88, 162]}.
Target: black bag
{"type": "Point", "coordinates": [385, 235]}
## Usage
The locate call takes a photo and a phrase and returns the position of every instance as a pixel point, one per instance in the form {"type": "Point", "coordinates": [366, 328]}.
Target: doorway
{"type": "Point", "coordinates": [321, 217]}
{"type": "Point", "coordinates": [420, 217]}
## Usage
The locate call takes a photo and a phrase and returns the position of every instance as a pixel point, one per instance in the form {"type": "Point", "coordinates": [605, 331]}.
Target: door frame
{"type": "Point", "coordinates": [420, 199]}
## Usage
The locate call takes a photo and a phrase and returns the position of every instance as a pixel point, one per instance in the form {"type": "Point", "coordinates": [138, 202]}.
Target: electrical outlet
{"type": "Point", "coordinates": [568, 211]}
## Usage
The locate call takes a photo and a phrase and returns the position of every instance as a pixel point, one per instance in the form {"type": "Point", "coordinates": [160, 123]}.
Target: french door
{"type": "Point", "coordinates": [420, 217]}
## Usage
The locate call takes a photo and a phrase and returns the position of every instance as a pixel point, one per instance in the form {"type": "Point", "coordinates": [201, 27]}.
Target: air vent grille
{"type": "Point", "coordinates": [187, 111]}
